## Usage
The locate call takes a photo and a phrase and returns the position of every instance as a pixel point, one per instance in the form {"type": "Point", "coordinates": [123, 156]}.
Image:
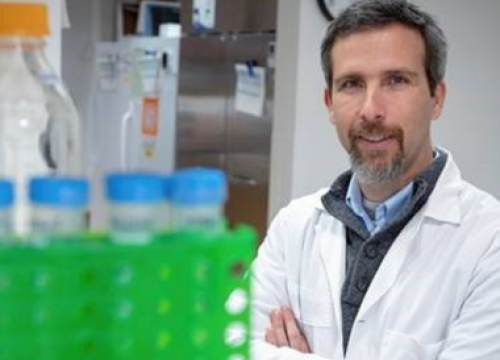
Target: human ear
{"type": "Point", "coordinates": [327, 98]}
{"type": "Point", "coordinates": [438, 100]}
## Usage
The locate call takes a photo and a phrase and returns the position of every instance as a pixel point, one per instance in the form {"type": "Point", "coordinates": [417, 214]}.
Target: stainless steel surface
{"type": "Point", "coordinates": [243, 180]}
{"type": "Point", "coordinates": [247, 133]}
{"type": "Point", "coordinates": [235, 16]}
{"type": "Point", "coordinates": [210, 132]}
{"type": "Point", "coordinates": [208, 123]}
{"type": "Point", "coordinates": [203, 86]}
{"type": "Point", "coordinates": [254, 168]}
{"type": "Point", "coordinates": [192, 159]}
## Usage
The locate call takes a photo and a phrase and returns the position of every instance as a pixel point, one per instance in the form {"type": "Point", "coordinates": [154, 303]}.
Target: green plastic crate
{"type": "Point", "coordinates": [92, 299]}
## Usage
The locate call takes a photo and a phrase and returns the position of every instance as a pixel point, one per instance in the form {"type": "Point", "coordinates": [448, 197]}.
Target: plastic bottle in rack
{"type": "Point", "coordinates": [197, 200]}
{"type": "Point", "coordinates": [167, 207]}
{"type": "Point", "coordinates": [39, 126]}
{"type": "Point", "coordinates": [136, 207]}
{"type": "Point", "coordinates": [6, 202]}
{"type": "Point", "coordinates": [58, 206]}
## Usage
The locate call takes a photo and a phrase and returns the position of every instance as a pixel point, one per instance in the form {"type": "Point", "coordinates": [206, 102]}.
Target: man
{"type": "Point", "coordinates": [400, 258]}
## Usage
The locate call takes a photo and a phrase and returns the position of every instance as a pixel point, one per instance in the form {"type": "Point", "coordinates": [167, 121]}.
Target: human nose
{"type": "Point", "coordinates": [373, 107]}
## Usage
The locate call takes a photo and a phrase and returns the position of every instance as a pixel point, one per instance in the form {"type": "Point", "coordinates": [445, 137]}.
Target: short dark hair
{"type": "Point", "coordinates": [365, 15]}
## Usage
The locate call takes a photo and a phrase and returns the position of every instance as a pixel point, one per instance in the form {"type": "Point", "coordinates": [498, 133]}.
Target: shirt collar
{"type": "Point", "coordinates": [385, 212]}
{"type": "Point", "coordinates": [398, 201]}
{"type": "Point", "coordinates": [354, 198]}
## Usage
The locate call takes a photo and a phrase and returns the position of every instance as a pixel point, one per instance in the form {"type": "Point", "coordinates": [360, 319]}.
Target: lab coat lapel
{"type": "Point", "coordinates": [441, 206]}
{"type": "Point", "coordinates": [331, 237]}
{"type": "Point", "coordinates": [391, 265]}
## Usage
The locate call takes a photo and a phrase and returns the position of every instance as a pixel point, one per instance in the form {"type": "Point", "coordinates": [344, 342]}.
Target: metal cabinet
{"type": "Point", "coordinates": [235, 16]}
{"type": "Point", "coordinates": [202, 105]}
{"type": "Point", "coordinates": [210, 130]}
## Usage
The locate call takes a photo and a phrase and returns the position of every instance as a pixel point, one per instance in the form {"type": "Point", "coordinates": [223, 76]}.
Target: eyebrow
{"type": "Point", "coordinates": [358, 75]}
{"type": "Point", "coordinates": [402, 71]}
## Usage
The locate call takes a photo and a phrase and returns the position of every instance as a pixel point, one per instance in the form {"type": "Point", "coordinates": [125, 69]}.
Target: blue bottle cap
{"type": "Point", "coordinates": [63, 192]}
{"type": "Point", "coordinates": [198, 186]}
{"type": "Point", "coordinates": [134, 188]}
{"type": "Point", "coordinates": [6, 193]}
{"type": "Point", "coordinates": [167, 188]}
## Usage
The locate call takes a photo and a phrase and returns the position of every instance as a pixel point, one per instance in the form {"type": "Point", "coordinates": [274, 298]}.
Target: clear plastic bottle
{"type": "Point", "coordinates": [167, 195]}
{"type": "Point", "coordinates": [197, 200]}
{"type": "Point", "coordinates": [39, 126]}
{"type": "Point", "coordinates": [58, 206]}
{"type": "Point", "coordinates": [136, 207]}
{"type": "Point", "coordinates": [6, 202]}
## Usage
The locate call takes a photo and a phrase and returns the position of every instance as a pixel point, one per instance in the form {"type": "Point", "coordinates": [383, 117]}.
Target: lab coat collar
{"type": "Point", "coordinates": [443, 204]}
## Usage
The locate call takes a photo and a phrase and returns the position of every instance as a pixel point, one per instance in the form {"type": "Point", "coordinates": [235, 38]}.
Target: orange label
{"type": "Point", "coordinates": [150, 117]}
{"type": "Point", "coordinates": [24, 18]}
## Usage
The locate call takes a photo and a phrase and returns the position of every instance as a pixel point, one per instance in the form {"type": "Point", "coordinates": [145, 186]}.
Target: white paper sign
{"type": "Point", "coordinates": [203, 14]}
{"type": "Point", "coordinates": [250, 89]}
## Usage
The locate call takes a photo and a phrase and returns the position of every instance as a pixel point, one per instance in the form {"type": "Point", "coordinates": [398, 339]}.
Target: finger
{"type": "Point", "coordinates": [296, 339]}
{"type": "Point", "coordinates": [278, 325]}
{"type": "Point", "coordinates": [271, 337]}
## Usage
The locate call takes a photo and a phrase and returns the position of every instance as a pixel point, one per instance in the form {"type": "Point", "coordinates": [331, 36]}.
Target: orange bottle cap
{"type": "Point", "coordinates": [24, 19]}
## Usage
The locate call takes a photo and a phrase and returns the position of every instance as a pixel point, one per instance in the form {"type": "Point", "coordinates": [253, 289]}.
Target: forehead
{"type": "Point", "coordinates": [391, 46]}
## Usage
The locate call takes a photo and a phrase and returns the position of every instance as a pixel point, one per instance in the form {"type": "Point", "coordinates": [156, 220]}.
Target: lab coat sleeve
{"type": "Point", "coordinates": [270, 291]}
{"type": "Point", "coordinates": [475, 334]}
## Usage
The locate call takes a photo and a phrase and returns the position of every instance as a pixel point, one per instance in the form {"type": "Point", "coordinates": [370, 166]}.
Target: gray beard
{"type": "Point", "coordinates": [368, 173]}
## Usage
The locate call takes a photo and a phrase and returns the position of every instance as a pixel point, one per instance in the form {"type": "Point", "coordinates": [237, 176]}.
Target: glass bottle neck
{"type": "Point", "coordinates": [30, 50]}
{"type": "Point", "coordinates": [11, 43]}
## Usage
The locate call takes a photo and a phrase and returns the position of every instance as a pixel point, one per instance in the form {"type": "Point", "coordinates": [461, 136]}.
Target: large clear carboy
{"type": "Point", "coordinates": [40, 131]}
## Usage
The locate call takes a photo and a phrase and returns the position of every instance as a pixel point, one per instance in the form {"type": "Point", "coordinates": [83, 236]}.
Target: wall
{"type": "Point", "coordinates": [306, 154]}
{"type": "Point", "coordinates": [470, 125]}
{"type": "Point", "coordinates": [91, 21]}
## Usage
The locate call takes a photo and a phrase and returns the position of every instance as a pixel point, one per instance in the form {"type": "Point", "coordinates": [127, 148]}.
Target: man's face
{"type": "Point", "coordinates": [381, 104]}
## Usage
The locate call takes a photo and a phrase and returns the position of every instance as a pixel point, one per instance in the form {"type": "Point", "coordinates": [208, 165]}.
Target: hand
{"type": "Point", "coordinates": [284, 331]}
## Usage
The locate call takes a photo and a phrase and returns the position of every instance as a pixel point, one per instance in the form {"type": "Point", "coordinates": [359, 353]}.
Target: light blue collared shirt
{"type": "Point", "coordinates": [384, 213]}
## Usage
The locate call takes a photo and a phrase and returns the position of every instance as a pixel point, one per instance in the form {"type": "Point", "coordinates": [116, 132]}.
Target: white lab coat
{"type": "Point", "coordinates": [435, 296]}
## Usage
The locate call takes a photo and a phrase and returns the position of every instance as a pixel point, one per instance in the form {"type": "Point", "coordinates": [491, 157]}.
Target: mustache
{"type": "Point", "coordinates": [369, 129]}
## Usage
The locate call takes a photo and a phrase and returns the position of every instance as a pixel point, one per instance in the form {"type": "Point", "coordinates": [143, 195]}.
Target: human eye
{"type": "Point", "coordinates": [397, 80]}
{"type": "Point", "coordinates": [350, 85]}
